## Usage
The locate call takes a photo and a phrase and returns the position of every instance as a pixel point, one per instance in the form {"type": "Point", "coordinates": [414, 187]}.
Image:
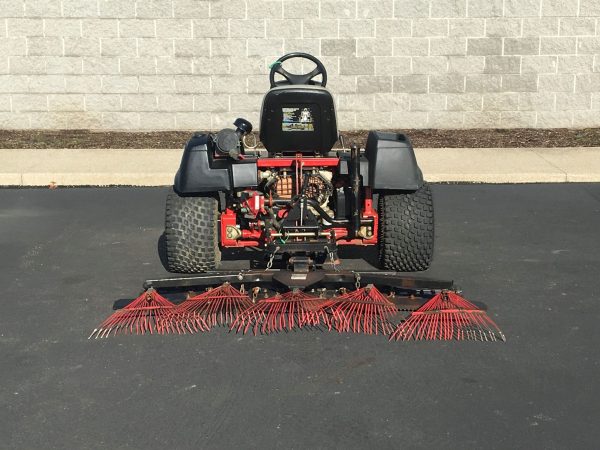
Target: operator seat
{"type": "Point", "coordinates": [298, 119]}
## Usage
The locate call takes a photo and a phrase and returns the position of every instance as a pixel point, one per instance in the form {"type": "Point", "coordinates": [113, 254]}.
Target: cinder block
{"type": "Point", "coordinates": [454, 46]}
{"type": "Point", "coordinates": [357, 28]}
{"type": "Point", "coordinates": [265, 9]}
{"type": "Point", "coordinates": [358, 66]}
{"type": "Point", "coordinates": [154, 47]}
{"type": "Point", "coordinates": [174, 28]}
{"type": "Point", "coordinates": [536, 101]}
{"type": "Point", "coordinates": [102, 102]}
{"type": "Point", "coordinates": [211, 103]}
{"type": "Point", "coordinates": [24, 27]}
{"type": "Point", "coordinates": [502, 64]}
{"type": "Point", "coordinates": [338, 47]}
{"type": "Point", "coordinates": [588, 82]}
{"type": "Point", "coordinates": [501, 102]}
{"type": "Point", "coordinates": [191, 47]}
{"type": "Point", "coordinates": [596, 101]}
{"type": "Point", "coordinates": [43, 46]}
{"type": "Point", "coordinates": [315, 28]}
{"type": "Point", "coordinates": [368, 9]}
{"type": "Point", "coordinates": [27, 65]}
{"type": "Point", "coordinates": [559, 119]}
{"type": "Point", "coordinates": [228, 84]}
{"type": "Point", "coordinates": [193, 121]}
{"type": "Point", "coordinates": [250, 102]}
{"type": "Point", "coordinates": [338, 9]}
{"type": "Point", "coordinates": [175, 102]}
{"type": "Point", "coordinates": [366, 84]}
{"type": "Point", "coordinates": [100, 65]}
{"type": "Point", "coordinates": [62, 27]}
{"type": "Point", "coordinates": [203, 28]}
{"type": "Point", "coordinates": [484, 46]}
{"type": "Point", "coordinates": [29, 102]}
{"type": "Point", "coordinates": [502, 27]}
{"type": "Point", "coordinates": [539, 64]}
{"type": "Point", "coordinates": [84, 84]}
{"type": "Point", "coordinates": [585, 119]}
{"type": "Point", "coordinates": [411, 8]}
{"type": "Point", "coordinates": [466, 27]}
{"type": "Point", "coordinates": [192, 84]}
{"type": "Point", "coordinates": [79, 8]}
{"type": "Point", "coordinates": [430, 64]}
{"type": "Point", "coordinates": [521, 46]}
{"type": "Point", "coordinates": [589, 8]}
{"type": "Point", "coordinates": [190, 9]}
{"type": "Point", "coordinates": [343, 84]}
{"type": "Point", "coordinates": [156, 84]}
{"type": "Point", "coordinates": [60, 120]}
{"type": "Point", "coordinates": [16, 8]}
{"type": "Point", "coordinates": [405, 119]}
{"type": "Point", "coordinates": [258, 84]}
{"type": "Point", "coordinates": [124, 47]}
{"type": "Point", "coordinates": [98, 28]}
{"type": "Point", "coordinates": [391, 102]}
{"type": "Point", "coordinates": [387, 28]}
{"type": "Point", "coordinates": [557, 45]}
{"type": "Point", "coordinates": [307, 9]}
{"type": "Point", "coordinates": [481, 119]}
{"type": "Point", "coordinates": [13, 46]}
{"type": "Point", "coordinates": [448, 8]}
{"type": "Point", "coordinates": [355, 102]}
{"type": "Point", "coordinates": [370, 119]}
{"type": "Point", "coordinates": [411, 46]}
{"type": "Point", "coordinates": [556, 83]}
{"type": "Point", "coordinates": [522, 8]}
{"type": "Point", "coordinates": [569, 101]}
{"type": "Point", "coordinates": [139, 102]}
{"type": "Point", "coordinates": [445, 119]}
{"type": "Point", "coordinates": [517, 119]}
{"type": "Point", "coordinates": [427, 102]}
{"type": "Point", "coordinates": [288, 28]}
{"type": "Point", "coordinates": [67, 65]}
{"type": "Point", "coordinates": [450, 83]}
{"type": "Point", "coordinates": [429, 27]}
{"type": "Point", "coordinates": [588, 45]}
{"type": "Point", "coordinates": [152, 9]}
{"type": "Point", "coordinates": [519, 83]}
{"type": "Point", "coordinates": [4, 65]}
{"type": "Point", "coordinates": [47, 84]}
{"type": "Point", "coordinates": [559, 8]}
{"type": "Point", "coordinates": [545, 26]}
{"type": "Point", "coordinates": [119, 84]}
{"type": "Point", "coordinates": [577, 26]}
{"type": "Point", "coordinates": [118, 8]}
{"type": "Point", "coordinates": [264, 47]}
{"type": "Point", "coordinates": [75, 46]}
{"type": "Point", "coordinates": [227, 47]}
{"type": "Point", "coordinates": [174, 66]}
{"type": "Point", "coordinates": [484, 83]}
{"type": "Point", "coordinates": [120, 120]}
{"type": "Point", "coordinates": [390, 65]}
{"type": "Point", "coordinates": [373, 47]}
{"type": "Point", "coordinates": [136, 28]}
{"type": "Point", "coordinates": [575, 64]}
{"type": "Point", "coordinates": [65, 102]}
{"type": "Point", "coordinates": [205, 65]}
{"type": "Point", "coordinates": [466, 64]}
{"type": "Point", "coordinates": [307, 46]}
{"type": "Point", "coordinates": [138, 66]}
{"type": "Point", "coordinates": [464, 102]}
{"type": "Point", "coordinates": [15, 120]}
{"type": "Point", "coordinates": [411, 84]}
{"type": "Point", "coordinates": [485, 8]}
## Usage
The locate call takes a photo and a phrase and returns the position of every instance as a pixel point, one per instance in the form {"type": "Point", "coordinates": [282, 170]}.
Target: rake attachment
{"type": "Point", "coordinates": [149, 313]}
{"type": "Point", "coordinates": [365, 310]}
{"type": "Point", "coordinates": [217, 306]}
{"type": "Point", "coordinates": [448, 316]}
{"type": "Point", "coordinates": [283, 312]}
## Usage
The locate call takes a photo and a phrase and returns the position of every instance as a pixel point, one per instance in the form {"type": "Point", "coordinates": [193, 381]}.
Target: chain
{"type": "Point", "coordinates": [357, 278]}
{"type": "Point", "coordinates": [332, 259]}
{"type": "Point", "coordinates": [271, 258]}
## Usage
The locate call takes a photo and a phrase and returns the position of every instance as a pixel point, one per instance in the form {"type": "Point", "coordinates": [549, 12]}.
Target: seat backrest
{"type": "Point", "coordinates": [298, 119]}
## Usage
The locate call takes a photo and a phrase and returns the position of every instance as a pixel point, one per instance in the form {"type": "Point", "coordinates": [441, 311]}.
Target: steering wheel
{"type": "Point", "coordinates": [291, 78]}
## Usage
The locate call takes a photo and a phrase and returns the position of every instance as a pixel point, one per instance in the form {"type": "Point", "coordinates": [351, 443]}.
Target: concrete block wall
{"type": "Point", "coordinates": [189, 64]}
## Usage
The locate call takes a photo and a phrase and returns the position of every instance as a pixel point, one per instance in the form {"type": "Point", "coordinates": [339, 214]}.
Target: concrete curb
{"type": "Point", "coordinates": [156, 167]}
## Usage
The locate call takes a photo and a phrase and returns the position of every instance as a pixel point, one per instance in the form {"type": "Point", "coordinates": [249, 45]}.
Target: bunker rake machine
{"type": "Point", "coordinates": [297, 202]}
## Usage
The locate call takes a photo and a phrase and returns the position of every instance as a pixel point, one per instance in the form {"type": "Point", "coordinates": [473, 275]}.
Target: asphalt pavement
{"type": "Point", "coordinates": [530, 252]}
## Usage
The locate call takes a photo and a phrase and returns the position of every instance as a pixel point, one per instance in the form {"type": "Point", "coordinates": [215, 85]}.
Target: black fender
{"type": "Point", "coordinates": [200, 172]}
{"type": "Point", "coordinates": [392, 162]}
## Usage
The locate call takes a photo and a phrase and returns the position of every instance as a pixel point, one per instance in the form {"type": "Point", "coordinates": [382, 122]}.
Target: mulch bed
{"type": "Point", "coordinates": [475, 138]}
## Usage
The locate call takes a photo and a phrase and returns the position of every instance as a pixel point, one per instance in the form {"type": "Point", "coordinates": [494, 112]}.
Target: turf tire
{"type": "Point", "coordinates": [406, 230]}
{"type": "Point", "coordinates": [191, 234]}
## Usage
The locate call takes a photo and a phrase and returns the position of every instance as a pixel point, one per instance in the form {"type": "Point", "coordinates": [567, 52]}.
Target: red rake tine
{"type": "Point", "coordinates": [144, 314]}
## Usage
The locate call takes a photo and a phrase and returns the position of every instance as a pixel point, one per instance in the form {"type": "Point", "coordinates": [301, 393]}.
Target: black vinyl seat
{"type": "Point", "coordinates": [298, 119]}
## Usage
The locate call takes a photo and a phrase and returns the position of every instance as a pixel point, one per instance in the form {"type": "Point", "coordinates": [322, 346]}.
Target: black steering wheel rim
{"type": "Point", "coordinates": [293, 79]}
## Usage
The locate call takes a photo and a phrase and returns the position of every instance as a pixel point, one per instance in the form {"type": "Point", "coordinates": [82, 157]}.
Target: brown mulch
{"type": "Point", "coordinates": [475, 138]}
